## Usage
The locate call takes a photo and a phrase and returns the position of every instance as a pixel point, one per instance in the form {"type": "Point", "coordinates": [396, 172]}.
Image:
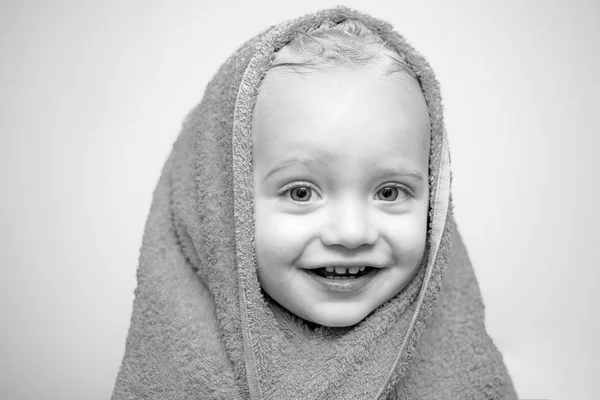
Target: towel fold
{"type": "Point", "coordinates": [202, 327]}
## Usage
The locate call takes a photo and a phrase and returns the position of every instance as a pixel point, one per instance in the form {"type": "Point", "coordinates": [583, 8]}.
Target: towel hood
{"type": "Point", "coordinates": [201, 326]}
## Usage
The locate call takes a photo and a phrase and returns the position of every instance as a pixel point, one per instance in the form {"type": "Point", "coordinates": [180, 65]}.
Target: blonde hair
{"type": "Point", "coordinates": [347, 44]}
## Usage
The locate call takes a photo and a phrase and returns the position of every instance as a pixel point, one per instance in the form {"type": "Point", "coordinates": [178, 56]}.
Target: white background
{"type": "Point", "coordinates": [92, 95]}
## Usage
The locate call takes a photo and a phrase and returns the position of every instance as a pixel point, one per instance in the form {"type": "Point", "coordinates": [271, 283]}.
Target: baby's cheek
{"type": "Point", "coordinates": [284, 236]}
{"type": "Point", "coordinates": [408, 237]}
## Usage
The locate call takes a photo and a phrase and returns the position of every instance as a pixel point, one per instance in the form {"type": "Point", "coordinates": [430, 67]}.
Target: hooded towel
{"type": "Point", "coordinates": [201, 326]}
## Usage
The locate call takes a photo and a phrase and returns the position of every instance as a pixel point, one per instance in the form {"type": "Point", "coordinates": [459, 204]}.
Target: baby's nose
{"type": "Point", "coordinates": [350, 225]}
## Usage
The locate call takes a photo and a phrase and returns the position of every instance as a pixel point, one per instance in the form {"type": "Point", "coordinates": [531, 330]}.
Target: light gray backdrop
{"type": "Point", "coordinates": [92, 95]}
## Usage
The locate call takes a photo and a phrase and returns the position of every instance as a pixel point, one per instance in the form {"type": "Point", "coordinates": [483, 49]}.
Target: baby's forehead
{"type": "Point", "coordinates": [325, 149]}
{"type": "Point", "coordinates": [334, 85]}
{"type": "Point", "coordinates": [339, 114]}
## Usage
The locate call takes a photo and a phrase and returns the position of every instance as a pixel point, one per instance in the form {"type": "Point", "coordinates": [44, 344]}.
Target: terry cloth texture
{"type": "Point", "coordinates": [202, 328]}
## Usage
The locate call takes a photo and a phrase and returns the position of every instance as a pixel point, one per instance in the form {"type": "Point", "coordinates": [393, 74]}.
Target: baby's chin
{"type": "Point", "coordinates": [336, 316]}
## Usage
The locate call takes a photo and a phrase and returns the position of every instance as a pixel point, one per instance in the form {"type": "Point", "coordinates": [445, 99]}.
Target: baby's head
{"type": "Point", "coordinates": [340, 156]}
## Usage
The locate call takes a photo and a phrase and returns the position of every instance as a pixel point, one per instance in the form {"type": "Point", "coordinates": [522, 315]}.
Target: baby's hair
{"type": "Point", "coordinates": [348, 43]}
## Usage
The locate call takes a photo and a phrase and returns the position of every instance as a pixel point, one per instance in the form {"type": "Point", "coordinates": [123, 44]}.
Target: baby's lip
{"type": "Point", "coordinates": [346, 264]}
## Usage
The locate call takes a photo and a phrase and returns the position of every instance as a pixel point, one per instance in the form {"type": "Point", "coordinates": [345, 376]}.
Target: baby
{"type": "Point", "coordinates": [301, 242]}
{"type": "Point", "coordinates": [340, 137]}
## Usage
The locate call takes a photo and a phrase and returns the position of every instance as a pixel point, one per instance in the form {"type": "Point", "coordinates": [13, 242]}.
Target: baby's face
{"type": "Point", "coordinates": [340, 165]}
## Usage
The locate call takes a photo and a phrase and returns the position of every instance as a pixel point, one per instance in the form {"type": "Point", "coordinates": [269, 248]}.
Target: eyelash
{"type": "Point", "coordinates": [294, 185]}
{"type": "Point", "coordinates": [287, 189]}
{"type": "Point", "coordinates": [409, 193]}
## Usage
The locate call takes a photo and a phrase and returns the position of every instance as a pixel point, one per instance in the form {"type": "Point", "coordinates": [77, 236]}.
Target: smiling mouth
{"type": "Point", "coordinates": [332, 273]}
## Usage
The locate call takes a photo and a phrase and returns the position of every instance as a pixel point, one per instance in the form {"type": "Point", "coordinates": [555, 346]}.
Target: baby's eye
{"type": "Point", "coordinates": [390, 193]}
{"type": "Point", "coordinates": [301, 193]}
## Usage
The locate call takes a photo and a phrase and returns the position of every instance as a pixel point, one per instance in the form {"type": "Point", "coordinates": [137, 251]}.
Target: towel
{"type": "Point", "coordinates": [202, 327]}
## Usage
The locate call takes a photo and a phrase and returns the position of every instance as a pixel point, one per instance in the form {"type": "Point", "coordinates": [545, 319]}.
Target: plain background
{"type": "Point", "coordinates": [92, 95]}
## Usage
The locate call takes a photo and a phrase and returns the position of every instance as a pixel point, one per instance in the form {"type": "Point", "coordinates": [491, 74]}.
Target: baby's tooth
{"type": "Point", "coordinates": [362, 268]}
{"type": "Point", "coordinates": [344, 277]}
{"type": "Point", "coordinates": [329, 269]}
{"type": "Point", "coordinates": [340, 270]}
{"type": "Point", "coordinates": [353, 270]}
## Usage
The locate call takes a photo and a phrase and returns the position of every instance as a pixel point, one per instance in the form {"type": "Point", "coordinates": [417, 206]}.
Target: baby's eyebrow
{"type": "Point", "coordinates": [307, 161]}
{"type": "Point", "coordinates": [404, 172]}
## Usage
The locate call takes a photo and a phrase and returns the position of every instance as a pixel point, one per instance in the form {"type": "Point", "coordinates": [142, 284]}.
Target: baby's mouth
{"type": "Point", "coordinates": [343, 272]}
